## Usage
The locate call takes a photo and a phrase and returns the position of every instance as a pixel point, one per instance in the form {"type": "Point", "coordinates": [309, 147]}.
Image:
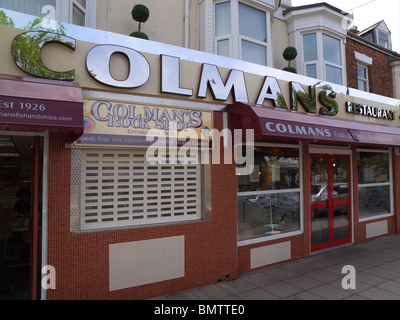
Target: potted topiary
{"type": "Point", "coordinates": [289, 54]}
{"type": "Point", "coordinates": [140, 13]}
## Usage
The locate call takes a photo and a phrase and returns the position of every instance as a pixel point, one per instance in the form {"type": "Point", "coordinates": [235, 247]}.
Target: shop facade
{"type": "Point", "coordinates": [164, 169]}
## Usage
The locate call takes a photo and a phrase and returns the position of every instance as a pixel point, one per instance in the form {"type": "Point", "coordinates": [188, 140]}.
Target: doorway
{"type": "Point", "coordinates": [330, 201]}
{"type": "Point", "coordinates": [21, 188]}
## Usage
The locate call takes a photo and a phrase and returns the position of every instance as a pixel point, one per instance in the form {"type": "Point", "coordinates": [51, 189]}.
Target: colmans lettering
{"type": "Point", "coordinates": [98, 67]}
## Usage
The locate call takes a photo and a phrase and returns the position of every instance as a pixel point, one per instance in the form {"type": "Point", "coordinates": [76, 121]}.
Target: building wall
{"type": "Point", "coordinates": [379, 73]}
{"type": "Point", "coordinates": [280, 42]}
{"type": "Point", "coordinates": [396, 78]}
{"type": "Point", "coordinates": [82, 259]}
{"type": "Point", "coordinates": [396, 190]}
{"type": "Point", "coordinates": [166, 23]}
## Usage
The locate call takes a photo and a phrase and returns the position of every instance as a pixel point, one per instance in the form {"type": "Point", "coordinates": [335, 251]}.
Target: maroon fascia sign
{"type": "Point", "coordinates": [38, 104]}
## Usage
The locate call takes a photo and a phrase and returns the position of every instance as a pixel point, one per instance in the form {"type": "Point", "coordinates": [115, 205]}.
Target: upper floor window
{"type": "Point", "coordinates": [323, 58]}
{"type": "Point", "coordinates": [79, 12]}
{"type": "Point", "coordinates": [383, 39]}
{"type": "Point", "coordinates": [236, 37]}
{"type": "Point", "coordinates": [362, 75]}
{"type": "Point", "coordinates": [378, 33]}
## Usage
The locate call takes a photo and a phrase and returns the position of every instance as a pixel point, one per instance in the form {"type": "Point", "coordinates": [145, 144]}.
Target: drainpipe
{"type": "Point", "coordinates": [187, 23]}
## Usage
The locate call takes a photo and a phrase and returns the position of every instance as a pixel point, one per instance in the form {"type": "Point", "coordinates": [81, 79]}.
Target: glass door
{"type": "Point", "coordinates": [21, 172]}
{"type": "Point", "coordinates": [330, 201]}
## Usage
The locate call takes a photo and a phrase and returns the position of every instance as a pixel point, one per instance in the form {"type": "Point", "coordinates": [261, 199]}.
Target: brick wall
{"type": "Point", "coordinates": [379, 73]}
{"type": "Point", "coordinates": [81, 260]}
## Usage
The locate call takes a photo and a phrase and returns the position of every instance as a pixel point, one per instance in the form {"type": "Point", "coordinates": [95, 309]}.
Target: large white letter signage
{"type": "Point", "coordinates": [98, 65]}
{"type": "Point", "coordinates": [26, 51]}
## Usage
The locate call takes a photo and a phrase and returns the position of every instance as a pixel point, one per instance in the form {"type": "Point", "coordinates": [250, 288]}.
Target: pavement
{"type": "Point", "coordinates": [319, 277]}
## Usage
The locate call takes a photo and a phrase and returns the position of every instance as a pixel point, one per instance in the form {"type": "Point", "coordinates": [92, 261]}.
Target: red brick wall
{"type": "Point", "coordinates": [81, 260]}
{"type": "Point", "coordinates": [380, 73]}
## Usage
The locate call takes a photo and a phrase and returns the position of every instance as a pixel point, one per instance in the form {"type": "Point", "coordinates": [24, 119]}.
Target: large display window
{"type": "Point", "coordinates": [269, 199]}
{"type": "Point", "coordinates": [374, 183]}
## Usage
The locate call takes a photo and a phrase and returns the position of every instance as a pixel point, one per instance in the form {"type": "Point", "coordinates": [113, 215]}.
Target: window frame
{"type": "Point", "coordinates": [390, 184]}
{"type": "Point", "coordinates": [79, 183]}
{"type": "Point", "coordinates": [235, 38]}
{"type": "Point", "coordinates": [279, 191]}
{"type": "Point", "coordinates": [386, 41]}
{"type": "Point", "coordinates": [64, 11]}
{"type": "Point", "coordinates": [321, 63]}
{"type": "Point", "coordinates": [360, 78]}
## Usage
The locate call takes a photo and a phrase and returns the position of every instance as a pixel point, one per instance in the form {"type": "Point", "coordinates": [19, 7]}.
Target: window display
{"type": "Point", "coordinates": [269, 198]}
{"type": "Point", "coordinates": [374, 178]}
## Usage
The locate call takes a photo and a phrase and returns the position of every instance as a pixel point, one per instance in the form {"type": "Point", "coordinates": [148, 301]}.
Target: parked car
{"type": "Point", "coordinates": [319, 191]}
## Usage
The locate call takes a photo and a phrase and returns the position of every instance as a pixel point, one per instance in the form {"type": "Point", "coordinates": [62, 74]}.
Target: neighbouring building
{"type": "Point", "coordinates": [135, 168]}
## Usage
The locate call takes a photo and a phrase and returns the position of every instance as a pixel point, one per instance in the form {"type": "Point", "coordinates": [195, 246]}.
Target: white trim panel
{"type": "Point", "coordinates": [376, 229]}
{"type": "Point", "coordinates": [263, 256]}
{"type": "Point", "coordinates": [143, 262]}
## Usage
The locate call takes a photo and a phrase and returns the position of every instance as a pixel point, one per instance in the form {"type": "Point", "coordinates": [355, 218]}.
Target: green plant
{"type": "Point", "coordinates": [289, 54]}
{"type": "Point", "coordinates": [141, 14]}
{"type": "Point", "coordinates": [140, 35]}
{"type": "Point", "coordinates": [290, 69]}
{"type": "Point", "coordinates": [5, 20]}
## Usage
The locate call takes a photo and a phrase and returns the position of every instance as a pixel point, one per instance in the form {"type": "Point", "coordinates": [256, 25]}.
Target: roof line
{"type": "Point", "coordinates": [315, 5]}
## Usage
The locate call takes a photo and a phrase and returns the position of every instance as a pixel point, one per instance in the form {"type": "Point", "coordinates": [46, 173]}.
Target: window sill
{"type": "Point", "coordinates": [243, 243]}
{"type": "Point", "coordinates": [377, 217]}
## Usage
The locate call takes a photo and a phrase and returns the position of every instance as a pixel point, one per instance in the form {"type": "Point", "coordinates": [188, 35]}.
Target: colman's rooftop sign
{"type": "Point", "coordinates": [317, 99]}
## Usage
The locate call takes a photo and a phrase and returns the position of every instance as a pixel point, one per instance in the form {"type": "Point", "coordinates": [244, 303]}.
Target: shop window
{"type": "Point", "coordinates": [269, 199]}
{"type": "Point", "coordinates": [374, 183]}
{"type": "Point", "coordinates": [323, 57]}
{"type": "Point", "coordinates": [120, 188]}
{"type": "Point", "coordinates": [237, 38]}
{"type": "Point", "coordinates": [79, 12]}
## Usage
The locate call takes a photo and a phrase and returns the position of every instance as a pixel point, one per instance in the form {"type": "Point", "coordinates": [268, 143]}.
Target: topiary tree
{"type": "Point", "coordinates": [289, 54]}
{"type": "Point", "coordinates": [140, 13]}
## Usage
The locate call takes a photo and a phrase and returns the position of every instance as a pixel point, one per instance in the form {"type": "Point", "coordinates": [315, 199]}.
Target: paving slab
{"type": "Point", "coordinates": [319, 277]}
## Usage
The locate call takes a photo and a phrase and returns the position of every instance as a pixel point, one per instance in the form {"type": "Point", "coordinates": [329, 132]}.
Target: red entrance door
{"type": "Point", "coordinates": [330, 201]}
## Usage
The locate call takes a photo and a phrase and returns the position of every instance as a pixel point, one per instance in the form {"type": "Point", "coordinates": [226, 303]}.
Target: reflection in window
{"type": "Point", "coordinates": [332, 50]}
{"type": "Point", "coordinates": [253, 35]}
{"type": "Point", "coordinates": [333, 59]}
{"type": "Point", "coordinates": [253, 52]}
{"type": "Point", "coordinates": [373, 167]}
{"type": "Point", "coordinates": [310, 47]}
{"type": "Point", "coordinates": [222, 19]}
{"type": "Point", "coordinates": [269, 199]}
{"type": "Point", "coordinates": [374, 178]}
{"type": "Point", "coordinates": [223, 27]}
{"type": "Point", "coordinates": [257, 29]}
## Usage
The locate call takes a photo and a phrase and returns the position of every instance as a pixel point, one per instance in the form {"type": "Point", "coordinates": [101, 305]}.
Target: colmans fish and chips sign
{"type": "Point", "coordinates": [118, 122]}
